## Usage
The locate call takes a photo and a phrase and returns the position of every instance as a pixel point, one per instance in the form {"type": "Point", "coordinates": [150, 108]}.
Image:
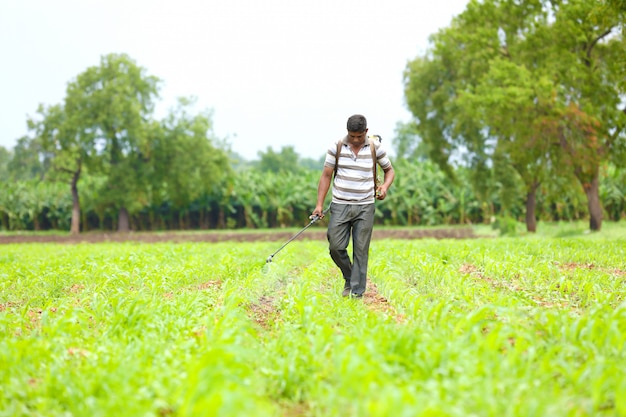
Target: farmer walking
{"type": "Point", "coordinates": [351, 166]}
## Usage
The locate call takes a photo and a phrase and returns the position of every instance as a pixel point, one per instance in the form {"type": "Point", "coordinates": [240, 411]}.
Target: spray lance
{"type": "Point", "coordinates": [314, 219]}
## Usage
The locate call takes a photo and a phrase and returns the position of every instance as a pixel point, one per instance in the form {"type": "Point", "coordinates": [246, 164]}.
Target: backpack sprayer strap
{"type": "Point", "coordinates": [372, 139]}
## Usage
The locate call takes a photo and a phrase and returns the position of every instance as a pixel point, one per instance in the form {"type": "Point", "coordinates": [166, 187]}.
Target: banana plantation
{"type": "Point", "coordinates": [250, 198]}
{"type": "Point", "coordinates": [518, 115]}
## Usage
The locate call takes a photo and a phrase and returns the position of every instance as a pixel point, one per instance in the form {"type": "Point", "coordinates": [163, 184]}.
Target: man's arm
{"type": "Point", "coordinates": [389, 176]}
{"type": "Point", "coordinates": [322, 189]}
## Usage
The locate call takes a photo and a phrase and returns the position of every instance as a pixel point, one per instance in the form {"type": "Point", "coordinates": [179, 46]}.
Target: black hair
{"type": "Point", "coordinates": [357, 123]}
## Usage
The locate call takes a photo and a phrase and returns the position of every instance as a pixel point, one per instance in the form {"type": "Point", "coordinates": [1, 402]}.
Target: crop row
{"type": "Point", "coordinates": [517, 326]}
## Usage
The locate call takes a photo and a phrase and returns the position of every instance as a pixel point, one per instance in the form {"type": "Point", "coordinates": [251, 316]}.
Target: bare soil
{"type": "Point", "coordinates": [233, 235]}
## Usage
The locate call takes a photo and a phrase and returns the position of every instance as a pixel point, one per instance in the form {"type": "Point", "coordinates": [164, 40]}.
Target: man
{"type": "Point", "coordinates": [353, 196]}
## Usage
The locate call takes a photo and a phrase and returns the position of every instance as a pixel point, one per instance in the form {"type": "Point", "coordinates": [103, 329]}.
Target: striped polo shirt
{"type": "Point", "coordinates": [354, 183]}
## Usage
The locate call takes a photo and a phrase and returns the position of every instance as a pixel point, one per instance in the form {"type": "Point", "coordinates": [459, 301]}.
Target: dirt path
{"type": "Point", "coordinates": [238, 236]}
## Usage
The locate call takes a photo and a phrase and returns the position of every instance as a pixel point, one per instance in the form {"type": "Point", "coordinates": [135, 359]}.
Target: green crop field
{"type": "Point", "coordinates": [497, 326]}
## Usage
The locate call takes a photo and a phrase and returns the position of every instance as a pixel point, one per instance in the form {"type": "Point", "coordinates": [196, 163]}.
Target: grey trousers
{"type": "Point", "coordinates": [358, 221]}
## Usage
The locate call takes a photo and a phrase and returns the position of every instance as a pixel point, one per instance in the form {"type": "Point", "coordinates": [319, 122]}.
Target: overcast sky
{"type": "Point", "coordinates": [274, 72]}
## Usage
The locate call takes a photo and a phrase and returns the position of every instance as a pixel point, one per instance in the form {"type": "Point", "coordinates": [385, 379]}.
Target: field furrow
{"type": "Point", "coordinates": [450, 327]}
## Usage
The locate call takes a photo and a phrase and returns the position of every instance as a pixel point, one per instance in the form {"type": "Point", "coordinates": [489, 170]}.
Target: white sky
{"type": "Point", "coordinates": [274, 72]}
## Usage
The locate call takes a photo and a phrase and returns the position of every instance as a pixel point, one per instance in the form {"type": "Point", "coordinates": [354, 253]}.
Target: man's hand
{"type": "Point", "coordinates": [317, 213]}
{"type": "Point", "coordinates": [381, 192]}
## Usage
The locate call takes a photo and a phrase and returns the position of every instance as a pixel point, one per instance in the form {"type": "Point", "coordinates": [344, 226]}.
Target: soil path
{"type": "Point", "coordinates": [238, 236]}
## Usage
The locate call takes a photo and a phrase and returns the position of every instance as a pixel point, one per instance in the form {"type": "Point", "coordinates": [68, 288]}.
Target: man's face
{"type": "Point", "coordinates": [357, 138]}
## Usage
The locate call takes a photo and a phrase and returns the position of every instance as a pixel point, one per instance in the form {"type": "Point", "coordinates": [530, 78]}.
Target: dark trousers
{"type": "Point", "coordinates": [358, 221]}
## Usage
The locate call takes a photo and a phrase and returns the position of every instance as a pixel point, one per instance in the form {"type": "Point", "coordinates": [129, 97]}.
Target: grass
{"type": "Point", "coordinates": [513, 326]}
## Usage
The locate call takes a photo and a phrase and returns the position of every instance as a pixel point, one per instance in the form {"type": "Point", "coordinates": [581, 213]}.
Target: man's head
{"type": "Point", "coordinates": [357, 124]}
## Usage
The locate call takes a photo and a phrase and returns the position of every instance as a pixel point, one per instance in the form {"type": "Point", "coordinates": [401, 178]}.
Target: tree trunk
{"type": "Point", "coordinates": [75, 225]}
{"type": "Point", "coordinates": [181, 220]}
{"type": "Point", "coordinates": [221, 218]}
{"type": "Point", "coordinates": [85, 222]}
{"type": "Point", "coordinates": [531, 203]}
{"type": "Point", "coordinates": [123, 224]}
{"type": "Point", "coordinates": [592, 190]}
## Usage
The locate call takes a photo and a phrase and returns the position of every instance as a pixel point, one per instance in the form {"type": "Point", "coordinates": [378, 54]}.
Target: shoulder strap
{"type": "Point", "coordinates": [339, 146]}
{"type": "Point", "coordinates": [374, 162]}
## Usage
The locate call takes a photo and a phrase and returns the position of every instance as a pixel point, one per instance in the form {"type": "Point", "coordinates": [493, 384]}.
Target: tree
{"type": "Point", "coordinates": [5, 158]}
{"type": "Point", "coordinates": [408, 144]}
{"type": "Point", "coordinates": [312, 164]}
{"type": "Point", "coordinates": [57, 142]}
{"type": "Point", "coordinates": [107, 108]}
{"type": "Point", "coordinates": [614, 192]}
{"type": "Point", "coordinates": [28, 160]}
{"type": "Point", "coordinates": [593, 114]}
{"type": "Point", "coordinates": [287, 160]}
{"type": "Point", "coordinates": [515, 104]}
{"type": "Point", "coordinates": [526, 84]}
{"type": "Point", "coordinates": [186, 164]}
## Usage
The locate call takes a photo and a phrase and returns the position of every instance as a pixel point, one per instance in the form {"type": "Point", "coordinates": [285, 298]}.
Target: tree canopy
{"type": "Point", "coordinates": [536, 86]}
{"type": "Point", "coordinates": [106, 127]}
